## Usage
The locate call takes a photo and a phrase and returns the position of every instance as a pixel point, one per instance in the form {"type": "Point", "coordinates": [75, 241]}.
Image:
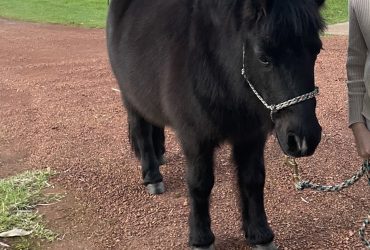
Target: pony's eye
{"type": "Point", "coordinates": [264, 60]}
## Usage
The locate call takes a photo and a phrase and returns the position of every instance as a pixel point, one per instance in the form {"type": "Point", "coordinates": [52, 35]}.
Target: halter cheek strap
{"type": "Point", "coordinates": [276, 107]}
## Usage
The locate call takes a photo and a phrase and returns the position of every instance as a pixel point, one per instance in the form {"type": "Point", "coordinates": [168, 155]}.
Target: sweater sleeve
{"type": "Point", "coordinates": [355, 68]}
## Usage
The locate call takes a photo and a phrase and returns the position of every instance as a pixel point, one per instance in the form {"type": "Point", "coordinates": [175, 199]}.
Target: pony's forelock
{"type": "Point", "coordinates": [292, 19]}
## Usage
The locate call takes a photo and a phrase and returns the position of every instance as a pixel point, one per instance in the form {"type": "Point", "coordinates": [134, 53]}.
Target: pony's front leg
{"type": "Point", "coordinates": [251, 177]}
{"type": "Point", "coordinates": [200, 180]}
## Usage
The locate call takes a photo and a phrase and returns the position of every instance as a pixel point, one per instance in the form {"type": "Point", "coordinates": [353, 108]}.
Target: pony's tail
{"type": "Point", "coordinates": [133, 142]}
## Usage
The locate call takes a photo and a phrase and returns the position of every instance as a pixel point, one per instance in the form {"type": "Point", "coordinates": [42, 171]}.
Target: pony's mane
{"type": "Point", "coordinates": [289, 20]}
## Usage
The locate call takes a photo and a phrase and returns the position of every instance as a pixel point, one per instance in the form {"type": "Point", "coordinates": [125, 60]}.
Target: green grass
{"type": "Point", "coordinates": [92, 13]}
{"type": "Point", "coordinates": [87, 13]}
{"type": "Point", "coordinates": [335, 11]}
{"type": "Point", "coordinates": [19, 195]}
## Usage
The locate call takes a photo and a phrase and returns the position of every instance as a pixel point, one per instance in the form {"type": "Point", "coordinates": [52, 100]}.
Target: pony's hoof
{"type": "Point", "coordinates": [268, 246]}
{"type": "Point", "coordinates": [155, 188]}
{"type": "Point", "coordinates": [211, 247]}
{"type": "Point", "coordinates": [162, 160]}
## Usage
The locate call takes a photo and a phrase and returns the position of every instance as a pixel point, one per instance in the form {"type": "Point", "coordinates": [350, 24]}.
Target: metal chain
{"type": "Point", "coordinates": [300, 185]}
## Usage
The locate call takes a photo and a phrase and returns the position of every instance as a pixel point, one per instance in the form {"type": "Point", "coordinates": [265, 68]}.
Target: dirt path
{"type": "Point", "coordinates": [58, 110]}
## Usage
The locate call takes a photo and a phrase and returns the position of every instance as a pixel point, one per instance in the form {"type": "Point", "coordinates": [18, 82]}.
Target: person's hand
{"type": "Point", "coordinates": [362, 139]}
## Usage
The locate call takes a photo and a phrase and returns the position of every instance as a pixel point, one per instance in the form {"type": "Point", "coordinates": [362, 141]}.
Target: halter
{"type": "Point", "coordinates": [276, 107]}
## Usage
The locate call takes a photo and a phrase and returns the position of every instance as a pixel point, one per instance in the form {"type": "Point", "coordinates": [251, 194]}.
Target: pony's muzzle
{"type": "Point", "coordinates": [297, 145]}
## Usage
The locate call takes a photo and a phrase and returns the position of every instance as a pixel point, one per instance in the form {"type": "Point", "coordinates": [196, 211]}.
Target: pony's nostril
{"type": "Point", "coordinates": [294, 143]}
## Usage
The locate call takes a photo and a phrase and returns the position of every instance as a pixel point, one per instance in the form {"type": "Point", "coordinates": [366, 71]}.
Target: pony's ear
{"type": "Point", "coordinates": [320, 2]}
{"type": "Point", "coordinates": [255, 9]}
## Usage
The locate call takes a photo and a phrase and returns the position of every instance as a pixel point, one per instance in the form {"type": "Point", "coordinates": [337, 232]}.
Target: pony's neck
{"type": "Point", "coordinates": [217, 27]}
{"type": "Point", "coordinates": [217, 41]}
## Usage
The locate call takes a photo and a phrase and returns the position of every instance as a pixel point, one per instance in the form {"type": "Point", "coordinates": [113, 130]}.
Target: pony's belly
{"type": "Point", "coordinates": [146, 103]}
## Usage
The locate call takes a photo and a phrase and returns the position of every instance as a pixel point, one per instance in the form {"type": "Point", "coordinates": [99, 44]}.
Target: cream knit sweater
{"type": "Point", "coordinates": [358, 61]}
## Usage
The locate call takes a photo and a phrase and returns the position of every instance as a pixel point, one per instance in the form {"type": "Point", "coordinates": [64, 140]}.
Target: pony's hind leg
{"type": "Point", "coordinates": [158, 142]}
{"type": "Point", "coordinates": [142, 142]}
{"type": "Point", "coordinates": [248, 157]}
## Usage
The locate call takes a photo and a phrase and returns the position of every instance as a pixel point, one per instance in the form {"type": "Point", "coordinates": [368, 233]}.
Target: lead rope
{"type": "Point", "coordinates": [301, 185]}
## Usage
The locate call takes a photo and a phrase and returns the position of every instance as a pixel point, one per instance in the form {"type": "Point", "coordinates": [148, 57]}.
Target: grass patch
{"type": "Point", "coordinates": [87, 13]}
{"type": "Point", "coordinates": [335, 11]}
{"type": "Point", "coordinates": [19, 196]}
{"type": "Point", "coordinates": [93, 13]}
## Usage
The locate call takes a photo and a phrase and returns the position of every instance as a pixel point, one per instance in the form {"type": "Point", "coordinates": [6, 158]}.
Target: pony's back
{"type": "Point", "coordinates": [143, 38]}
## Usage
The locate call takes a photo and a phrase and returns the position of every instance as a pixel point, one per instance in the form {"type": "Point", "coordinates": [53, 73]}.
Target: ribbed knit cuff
{"type": "Point", "coordinates": [355, 103]}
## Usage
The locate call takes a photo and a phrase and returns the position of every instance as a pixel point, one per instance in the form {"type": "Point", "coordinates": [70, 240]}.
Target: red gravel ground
{"type": "Point", "coordinates": [58, 110]}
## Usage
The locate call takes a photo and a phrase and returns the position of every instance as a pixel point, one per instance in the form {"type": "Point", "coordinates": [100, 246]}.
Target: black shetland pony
{"type": "Point", "coordinates": [179, 62]}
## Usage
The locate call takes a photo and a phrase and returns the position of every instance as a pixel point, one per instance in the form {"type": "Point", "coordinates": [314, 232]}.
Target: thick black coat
{"type": "Point", "coordinates": [178, 64]}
